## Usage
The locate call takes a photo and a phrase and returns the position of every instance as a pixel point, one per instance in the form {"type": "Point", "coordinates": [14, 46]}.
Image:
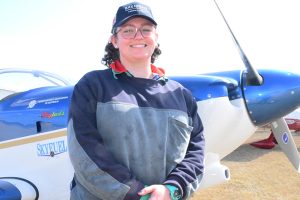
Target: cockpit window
{"type": "Point", "coordinates": [18, 81]}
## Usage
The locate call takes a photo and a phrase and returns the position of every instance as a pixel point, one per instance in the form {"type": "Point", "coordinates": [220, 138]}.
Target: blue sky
{"type": "Point", "coordinates": [67, 37]}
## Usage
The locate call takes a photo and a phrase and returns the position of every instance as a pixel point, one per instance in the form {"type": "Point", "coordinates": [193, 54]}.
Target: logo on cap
{"type": "Point", "coordinates": [136, 8]}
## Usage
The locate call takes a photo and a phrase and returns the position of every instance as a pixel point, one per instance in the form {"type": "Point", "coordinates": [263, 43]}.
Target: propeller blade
{"type": "Point", "coordinates": [286, 142]}
{"type": "Point", "coordinates": [253, 78]}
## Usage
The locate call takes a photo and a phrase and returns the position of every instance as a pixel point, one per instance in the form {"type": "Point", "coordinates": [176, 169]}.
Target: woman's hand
{"type": "Point", "coordinates": [157, 192]}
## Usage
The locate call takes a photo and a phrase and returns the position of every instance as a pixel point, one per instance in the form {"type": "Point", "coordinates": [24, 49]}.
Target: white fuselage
{"type": "Point", "coordinates": [30, 157]}
{"type": "Point", "coordinates": [225, 131]}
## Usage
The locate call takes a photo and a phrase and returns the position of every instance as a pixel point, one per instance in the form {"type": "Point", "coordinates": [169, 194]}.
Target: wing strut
{"type": "Point", "coordinates": [253, 78]}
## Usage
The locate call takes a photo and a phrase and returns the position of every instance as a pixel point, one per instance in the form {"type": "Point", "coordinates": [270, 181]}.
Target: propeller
{"type": "Point", "coordinates": [279, 126]}
{"type": "Point", "coordinates": [286, 142]}
{"type": "Point", "coordinates": [252, 77]}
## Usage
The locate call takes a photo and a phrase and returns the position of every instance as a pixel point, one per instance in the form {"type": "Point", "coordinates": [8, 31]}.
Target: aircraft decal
{"type": "Point", "coordinates": [285, 138]}
{"type": "Point", "coordinates": [51, 148]}
{"type": "Point", "coordinates": [31, 103]}
{"type": "Point", "coordinates": [53, 100]}
{"type": "Point", "coordinates": [53, 114]}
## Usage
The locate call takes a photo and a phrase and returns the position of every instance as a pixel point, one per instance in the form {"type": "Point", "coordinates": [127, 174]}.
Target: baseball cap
{"type": "Point", "coordinates": [130, 10]}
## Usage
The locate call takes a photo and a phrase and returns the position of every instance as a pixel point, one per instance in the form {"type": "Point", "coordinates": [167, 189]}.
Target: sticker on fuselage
{"type": "Point", "coordinates": [31, 103]}
{"type": "Point", "coordinates": [53, 114]}
{"type": "Point", "coordinates": [285, 138]}
{"type": "Point", "coordinates": [53, 100]}
{"type": "Point", "coordinates": [51, 148]}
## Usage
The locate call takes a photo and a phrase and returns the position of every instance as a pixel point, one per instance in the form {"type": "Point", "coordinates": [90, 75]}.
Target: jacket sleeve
{"type": "Point", "coordinates": [187, 175]}
{"type": "Point", "coordinates": [95, 168]}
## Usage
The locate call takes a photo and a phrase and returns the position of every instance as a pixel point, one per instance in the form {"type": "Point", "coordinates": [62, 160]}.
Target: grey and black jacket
{"type": "Point", "coordinates": [126, 132]}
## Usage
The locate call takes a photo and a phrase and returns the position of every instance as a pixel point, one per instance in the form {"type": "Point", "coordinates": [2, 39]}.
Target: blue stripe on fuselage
{"type": "Point", "coordinates": [210, 86]}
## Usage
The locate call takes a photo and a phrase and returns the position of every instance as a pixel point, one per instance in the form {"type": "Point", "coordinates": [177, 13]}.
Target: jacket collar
{"type": "Point", "coordinates": [118, 68]}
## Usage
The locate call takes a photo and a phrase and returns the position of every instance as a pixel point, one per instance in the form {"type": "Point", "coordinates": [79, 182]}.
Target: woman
{"type": "Point", "coordinates": [132, 133]}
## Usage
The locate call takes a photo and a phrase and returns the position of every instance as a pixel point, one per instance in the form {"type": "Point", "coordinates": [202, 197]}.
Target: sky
{"type": "Point", "coordinates": [67, 37]}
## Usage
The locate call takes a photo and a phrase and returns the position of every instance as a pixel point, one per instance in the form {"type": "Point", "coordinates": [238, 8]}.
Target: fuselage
{"type": "Point", "coordinates": [33, 123]}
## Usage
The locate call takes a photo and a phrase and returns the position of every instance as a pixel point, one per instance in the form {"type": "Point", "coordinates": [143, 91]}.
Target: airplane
{"type": "Point", "coordinates": [33, 143]}
{"type": "Point", "coordinates": [293, 122]}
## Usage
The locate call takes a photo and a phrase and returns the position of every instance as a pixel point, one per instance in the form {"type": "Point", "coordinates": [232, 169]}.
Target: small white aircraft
{"type": "Point", "coordinates": [33, 143]}
{"type": "Point", "coordinates": [293, 120]}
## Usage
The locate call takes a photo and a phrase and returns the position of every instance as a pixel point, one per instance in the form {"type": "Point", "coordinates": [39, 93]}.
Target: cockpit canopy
{"type": "Point", "coordinates": [18, 80]}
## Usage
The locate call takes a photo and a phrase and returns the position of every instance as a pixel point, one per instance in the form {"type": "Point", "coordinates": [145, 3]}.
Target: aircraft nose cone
{"type": "Point", "coordinates": [276, 97]}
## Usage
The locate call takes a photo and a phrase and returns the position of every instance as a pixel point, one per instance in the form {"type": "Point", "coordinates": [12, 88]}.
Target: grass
{"type": "Point", "coordinates": [256, 174]}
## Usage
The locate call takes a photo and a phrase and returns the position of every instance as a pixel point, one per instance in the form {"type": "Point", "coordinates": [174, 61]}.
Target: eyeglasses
{"type": "Point", "coordinates": [129, 32]}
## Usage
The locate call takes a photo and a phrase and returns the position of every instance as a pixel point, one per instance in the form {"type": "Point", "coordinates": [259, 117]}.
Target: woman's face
{"type": "Point", "coordinates": [136, 40]}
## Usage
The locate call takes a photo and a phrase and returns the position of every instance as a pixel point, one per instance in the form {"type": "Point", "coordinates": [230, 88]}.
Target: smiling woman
{"type": "Point", "coordinates": [154, 146]}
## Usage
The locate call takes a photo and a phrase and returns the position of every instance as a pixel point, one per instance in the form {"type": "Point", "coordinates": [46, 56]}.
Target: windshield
{"type": "Point", "coordinates": [13, 81]}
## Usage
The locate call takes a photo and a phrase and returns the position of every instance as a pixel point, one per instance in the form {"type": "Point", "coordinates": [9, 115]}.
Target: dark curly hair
{"type": "Point", "coordinates": [113, 54]}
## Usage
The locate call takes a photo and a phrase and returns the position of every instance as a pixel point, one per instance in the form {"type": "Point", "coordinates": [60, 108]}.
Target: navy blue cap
{"type": "Point", "coordinates": [128, 11]}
